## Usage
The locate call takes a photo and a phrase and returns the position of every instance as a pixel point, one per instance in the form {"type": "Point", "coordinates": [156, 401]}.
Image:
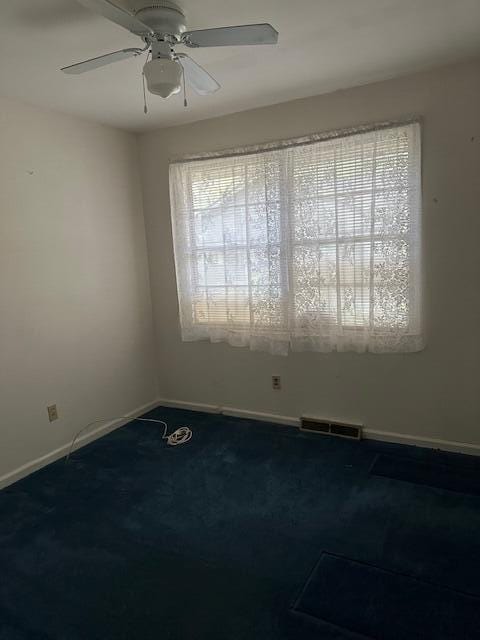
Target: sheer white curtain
{"type": "Point", "coordinates": [308, 245]}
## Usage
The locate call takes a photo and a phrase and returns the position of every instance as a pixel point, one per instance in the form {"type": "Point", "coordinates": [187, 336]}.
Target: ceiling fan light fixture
{"type": "Point", "coordinates": [163, 76]}
{"type": "Point", "coordinates": [162, 26]}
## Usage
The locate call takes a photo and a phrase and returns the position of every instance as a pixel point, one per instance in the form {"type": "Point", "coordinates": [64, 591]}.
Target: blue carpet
{"type": "Point", "coordinates": [386, 605]}
{"type": "Point", "coordinates": [432, 473]}
{"type": "Point", "coordinates": [214, 540]}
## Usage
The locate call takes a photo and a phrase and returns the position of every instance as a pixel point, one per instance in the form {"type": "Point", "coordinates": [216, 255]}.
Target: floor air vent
{"type": "Point", "coordinates": [340, 429]}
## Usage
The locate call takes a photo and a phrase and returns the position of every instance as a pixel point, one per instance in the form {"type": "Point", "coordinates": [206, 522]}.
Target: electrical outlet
{"type": "Point", "coordinates": [52, 412]}
{"type": "Point", "coordinates": [276, 383]}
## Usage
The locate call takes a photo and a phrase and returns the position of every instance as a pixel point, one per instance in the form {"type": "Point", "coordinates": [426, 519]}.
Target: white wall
{"type": "Point", "coordinates": [75, 321]}
{"type": "Point", "coordinates": [435, 393]}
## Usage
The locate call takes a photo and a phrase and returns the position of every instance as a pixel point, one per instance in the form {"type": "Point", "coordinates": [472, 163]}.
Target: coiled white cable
{"type": "Point", "coordinates": [181, 436]}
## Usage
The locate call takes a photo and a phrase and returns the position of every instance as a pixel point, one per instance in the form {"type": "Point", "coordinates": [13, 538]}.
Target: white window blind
{"type": "Point", "coordinates": [308, 246]}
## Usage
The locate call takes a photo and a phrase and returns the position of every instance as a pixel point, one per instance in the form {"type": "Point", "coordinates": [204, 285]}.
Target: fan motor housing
{"type": "Point", "coordinates": [164, 18]}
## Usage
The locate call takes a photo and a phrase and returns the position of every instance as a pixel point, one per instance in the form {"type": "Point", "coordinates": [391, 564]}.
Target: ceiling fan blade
{"type": "Point", "coordinates": [231, 36]}
{"type": "Point", "coordinates": [101, 61]}
{"type": "Point", "coordinates": [196, 76]}
{"type": "Point", "coordinates": [116, 14]}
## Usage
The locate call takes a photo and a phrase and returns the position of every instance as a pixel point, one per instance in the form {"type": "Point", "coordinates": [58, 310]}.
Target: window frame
{"type": "Point", "coordinates": [285, 286]}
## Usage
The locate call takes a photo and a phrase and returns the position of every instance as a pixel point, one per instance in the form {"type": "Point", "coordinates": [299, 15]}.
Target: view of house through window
{"type": "Point", "coordinates": [308, 246]}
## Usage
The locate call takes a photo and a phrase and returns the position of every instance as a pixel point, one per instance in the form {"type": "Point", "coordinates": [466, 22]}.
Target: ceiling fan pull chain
{"type": "Point", "coordinates": [185, 103]}
{"type": "Point", "coordinates": [145, 106]}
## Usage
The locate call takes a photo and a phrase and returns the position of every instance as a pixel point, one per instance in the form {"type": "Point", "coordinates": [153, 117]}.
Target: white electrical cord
{"type": "Point", "coordinates": [180, 436]}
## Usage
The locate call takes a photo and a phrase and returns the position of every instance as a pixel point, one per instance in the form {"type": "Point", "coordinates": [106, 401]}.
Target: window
{"type": "Point", "coordinates": [309, 245]}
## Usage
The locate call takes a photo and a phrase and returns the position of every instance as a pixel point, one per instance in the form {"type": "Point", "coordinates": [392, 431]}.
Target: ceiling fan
{"type": "Point", "coordinates": [162, 27]}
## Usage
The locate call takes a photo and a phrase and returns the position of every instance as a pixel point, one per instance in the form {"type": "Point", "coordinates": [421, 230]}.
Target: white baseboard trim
{"type": "Point", "coordinates": [368, 434]}
{"type": "Point", "coordinates": [189, 406]}
{"type": "Point", "coordinates": [34, 465]}
{"type": "Point", "coordinates": [229, 411]}
{"type": "Point", "coordinates": [419, 441]}
{"type": "Point", "coordinates": [262, 417]}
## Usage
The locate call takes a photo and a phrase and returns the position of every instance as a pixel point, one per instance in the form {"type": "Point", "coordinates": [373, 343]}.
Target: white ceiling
{"type": "Point", "coordinates": [324, 45]}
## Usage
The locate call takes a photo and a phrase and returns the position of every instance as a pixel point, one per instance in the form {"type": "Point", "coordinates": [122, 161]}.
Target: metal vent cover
{"type": "Point", "coordinates": [332, 428]}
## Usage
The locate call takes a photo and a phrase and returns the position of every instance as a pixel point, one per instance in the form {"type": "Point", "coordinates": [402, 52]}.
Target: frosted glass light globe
{"type": "Point", "coordinates": [163, 76]}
